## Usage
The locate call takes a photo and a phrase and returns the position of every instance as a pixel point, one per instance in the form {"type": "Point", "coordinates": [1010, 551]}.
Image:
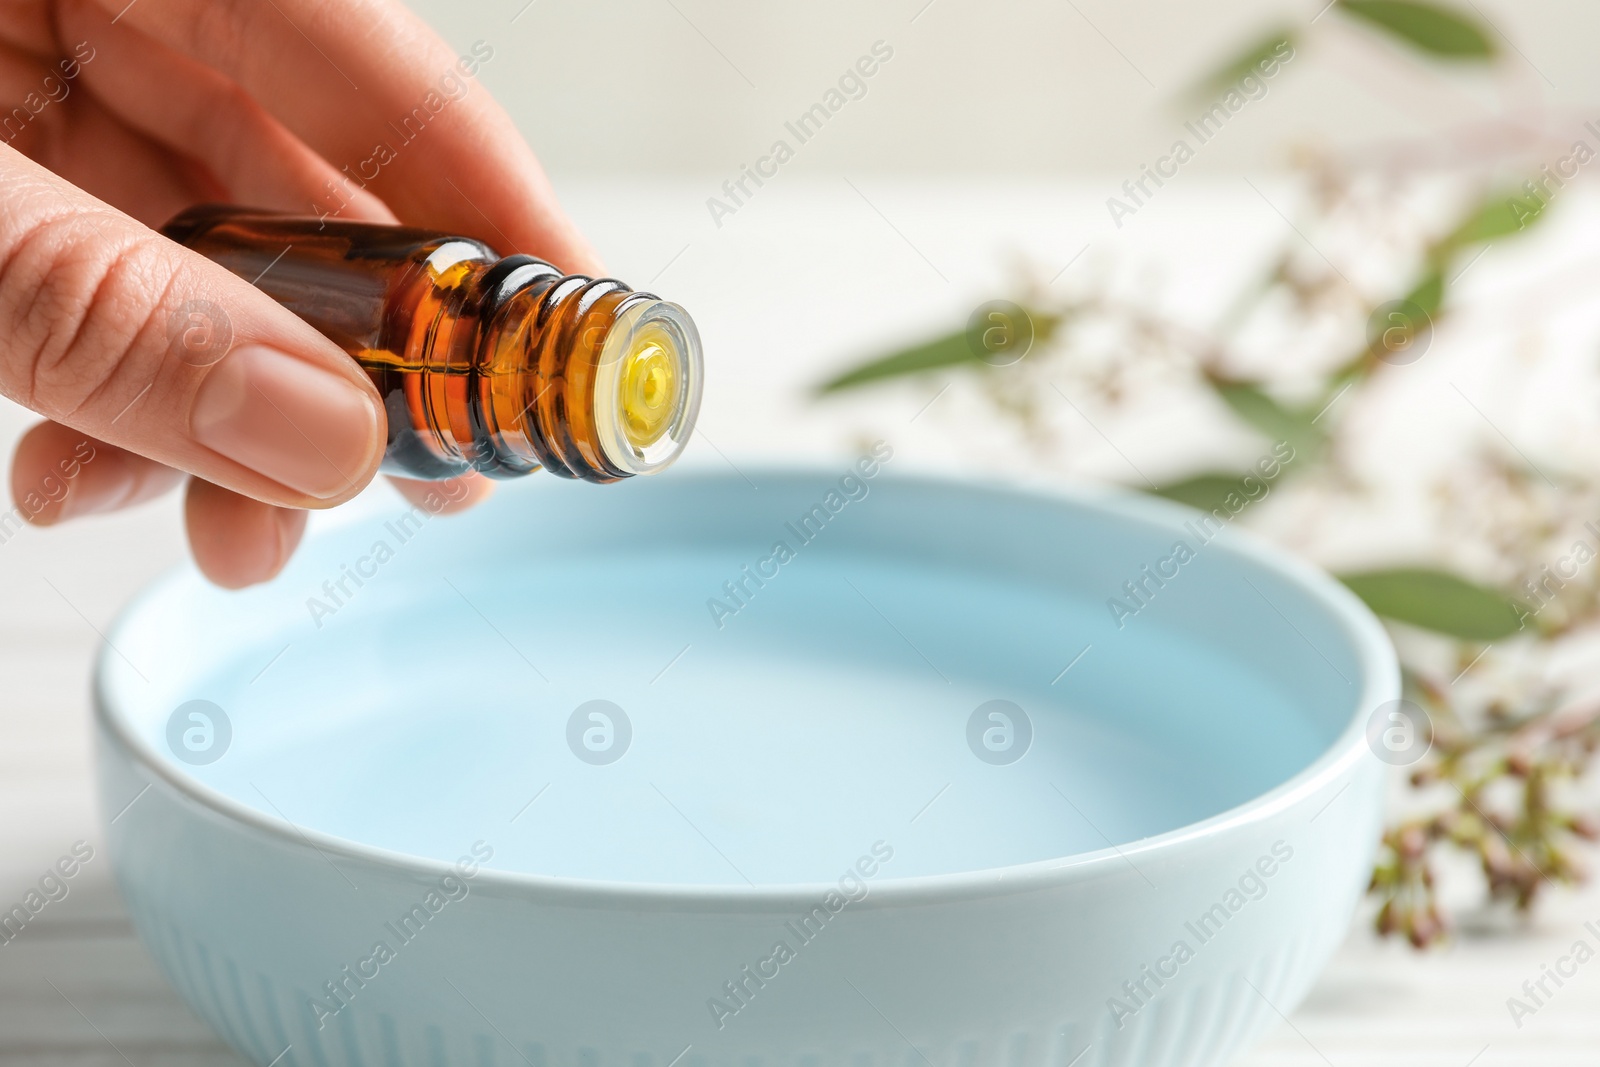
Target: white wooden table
{"type": "Point", "coordinates": [808, 277]}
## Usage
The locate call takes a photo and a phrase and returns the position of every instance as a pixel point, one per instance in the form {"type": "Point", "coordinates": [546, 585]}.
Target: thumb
{"type": "Point", "coordinates": [113, 330]}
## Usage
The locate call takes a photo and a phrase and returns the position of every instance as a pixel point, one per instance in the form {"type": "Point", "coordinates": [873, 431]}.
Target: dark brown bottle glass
{"type": "Point", "coordinates": [488, 364]}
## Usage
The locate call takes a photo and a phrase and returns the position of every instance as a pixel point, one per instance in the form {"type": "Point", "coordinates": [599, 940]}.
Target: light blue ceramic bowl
{"type": "Point", "coordinates": [777, 768]}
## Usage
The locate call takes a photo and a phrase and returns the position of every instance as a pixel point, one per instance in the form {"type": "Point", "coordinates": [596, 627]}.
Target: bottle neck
{"type": "Point", "coordinates": [581, 376]}
{"type": "Point", "coordinates": [540, 343]}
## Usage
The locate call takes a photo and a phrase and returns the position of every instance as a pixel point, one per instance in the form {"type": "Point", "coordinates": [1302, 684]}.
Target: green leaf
{"type": "Point", "coordinates": [1270, 417]}
{"type": "Point", "coordinates": [1437, 600]}
{"type": "Point", "coordinates": [947, 351]}
{"type": "Point", "coordinates": [1504, 215]}
{"type": "Point", "coordinates": [1426, 296]}
{"type": "Point", "coordinates": [1209, 490]}
{"type": "Point", "coordinates": [1428, 293]}
{"type": "Point", "coordinates": [1494, 218]}
{"type": "Point", "coordinates": [951, 350]}
{"type": "Point", "coordinates": [1430, 28]}
{"type": "Point", "coordinates": [1246, 62]}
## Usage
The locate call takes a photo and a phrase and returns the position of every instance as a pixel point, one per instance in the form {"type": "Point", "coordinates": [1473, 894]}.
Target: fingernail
{"type": "Point", "coordinates": [310, 429]}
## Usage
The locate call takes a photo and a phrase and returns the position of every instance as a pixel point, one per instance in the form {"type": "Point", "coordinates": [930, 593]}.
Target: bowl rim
{"type": "Point", "coordinates": [1375, 656]}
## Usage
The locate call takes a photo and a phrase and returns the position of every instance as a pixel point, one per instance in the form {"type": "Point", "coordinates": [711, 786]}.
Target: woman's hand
{"type": "Point", "coordinates": [117, 115]}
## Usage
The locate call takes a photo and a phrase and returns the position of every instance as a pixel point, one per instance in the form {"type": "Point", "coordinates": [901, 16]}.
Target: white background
{"type": "Point", "coordinates": [996, 128]}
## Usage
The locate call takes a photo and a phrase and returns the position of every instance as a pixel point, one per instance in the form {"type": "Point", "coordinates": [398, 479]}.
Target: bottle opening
{"type": "Point", "coordinates": [651, 384]}
{"type": "Point", "coordinates": [647, 386]}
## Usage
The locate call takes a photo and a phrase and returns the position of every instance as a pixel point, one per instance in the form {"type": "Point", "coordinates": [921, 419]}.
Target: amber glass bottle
{"type": "Point", "coordinates": [499, 365]}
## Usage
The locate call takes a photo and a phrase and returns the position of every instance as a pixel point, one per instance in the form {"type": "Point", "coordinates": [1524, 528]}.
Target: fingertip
{"type": "Point", "coordinates": [447, 497]}
{"type": "Point", "coordinates": [58, 473]}
{"type": "Point", "coordinates": [38, 492]}
{"type": "Point", "coordinates": [291, 529]}
{"type": "Point", "coordinates": [584, 259]}
{"type": "Point", "coordinates": [236, 541]}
